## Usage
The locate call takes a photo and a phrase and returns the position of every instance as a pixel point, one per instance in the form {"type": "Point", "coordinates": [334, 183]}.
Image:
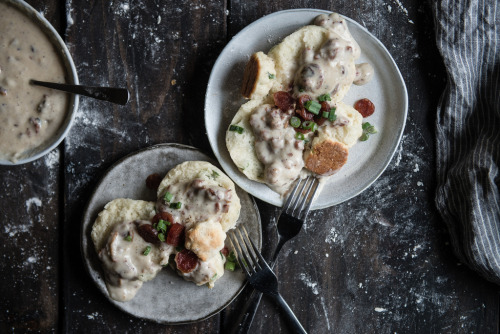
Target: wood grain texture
{"type": "Point", "coordinates": [29, 239]}
{"type": "Point", "coordinates": [379, 263]}
{"type": "Point", "coordinates": [162, 53]}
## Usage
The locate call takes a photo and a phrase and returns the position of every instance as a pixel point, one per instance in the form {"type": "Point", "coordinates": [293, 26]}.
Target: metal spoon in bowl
{"type": "Point", "coordinates": [110, 94]}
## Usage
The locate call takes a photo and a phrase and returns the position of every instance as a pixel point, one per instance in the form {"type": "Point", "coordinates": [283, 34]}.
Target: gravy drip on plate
{"type": "Point", "coordinates": [29, 115]}
{"type": "Point", "coordinates": [125, 263]}
{"type": "Point", "coordinates": [276, 147]}
{"type": "Point", "coordinates": [332, 66]}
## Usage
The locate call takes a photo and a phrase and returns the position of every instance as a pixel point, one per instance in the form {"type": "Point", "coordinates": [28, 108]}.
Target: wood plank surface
{"type": "Point", "coordinates": [30, 207]}
{"type": "Point", "coordinates": [378, 263]}
{"type": "Point", "coordinates": [160, 52]}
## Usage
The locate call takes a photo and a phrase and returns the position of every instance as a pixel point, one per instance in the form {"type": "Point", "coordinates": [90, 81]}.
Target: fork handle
{"type": "Point", "coordinates": [247, 314]}
{"type": "Point", "coordinates": [245, 319]}
{"type": "Point", "coordinates": [292, 320]}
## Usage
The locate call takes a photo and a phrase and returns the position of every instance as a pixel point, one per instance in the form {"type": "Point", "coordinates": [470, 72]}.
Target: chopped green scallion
{"type": "Point", "coordinates": [162, 225]}
{"type": "Point", "coordinates": [176, 205]}
{"type": "Point", "coordinates": [215, 175]}
{"type": "Point", "coordinates": [271, 76]}
{"type": "Point", "coordinates": [324, 97]}
{"type": "Point", "coordinates": [309, 125]}
{"type": "Point", "coordinates": [161, 236]}
{"type": "Point", "coordinates": [332, 116]}
{"type": "Point", "coordinates": [306, 125]}
{"type": "Point", "coordinates": [231, 257]}
{"type": "Point", "coordinates": [295, 121]}
{"type": "Point", "coordinates": [299, 136]}
{"type": "Point", "coordinates": [229, 266]}
{"type": "Point", "coordinates": [147, 250]}
{"type": "Point", "coordinates": [314, 127]}
{"type": "Point", "coordinates": [325, 114]}
{"type": "Point", "coordinates": [128, 237]}
{"type": "Point", "coordinates": [168, 197]}
{"type": "Point", "coordinates": [236, 128]}
{"type": "Point", "coordinates": [368, 130]}
{"type": "Point", "coordinates": [313, 107]}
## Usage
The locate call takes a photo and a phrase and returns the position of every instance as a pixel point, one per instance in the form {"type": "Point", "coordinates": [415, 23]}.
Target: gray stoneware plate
{"type": "Point", "coordinates": [170, 299]}
{"type": "Point", "coordinates": [71, 78]}
{"type": "Point", "coordinates": [387, 90]}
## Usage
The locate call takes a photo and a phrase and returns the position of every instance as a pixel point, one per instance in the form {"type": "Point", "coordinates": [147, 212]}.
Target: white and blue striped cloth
{"type": "Point", "coordinates": [468, 130]}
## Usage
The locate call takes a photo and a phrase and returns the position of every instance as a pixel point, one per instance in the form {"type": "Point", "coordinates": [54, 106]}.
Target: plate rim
{"type": "Point", "coordinates": [86, 216]}
{"type": "Point", "coordinates": [401, 83]}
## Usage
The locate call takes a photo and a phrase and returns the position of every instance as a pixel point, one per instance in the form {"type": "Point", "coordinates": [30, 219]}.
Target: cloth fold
{"type": "Point", "coordinates": [468, 130]}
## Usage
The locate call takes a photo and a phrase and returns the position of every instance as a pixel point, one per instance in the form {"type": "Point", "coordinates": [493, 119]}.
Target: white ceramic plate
{"type": "Point", "coordinates": [169, 298]}
{"type": "Point", "coordinates": [71, 78]}
{"type": "Point", "coordinates": [387, 90]}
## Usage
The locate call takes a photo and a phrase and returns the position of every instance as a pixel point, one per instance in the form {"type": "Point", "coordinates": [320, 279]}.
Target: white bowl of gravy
{"type": "Point", "coordinates": [33, 120]}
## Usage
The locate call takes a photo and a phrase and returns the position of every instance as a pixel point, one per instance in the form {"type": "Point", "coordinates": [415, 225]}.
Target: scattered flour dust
{"type": "Point", "coordinates": [400, 5]}
{"type": "Point", "coordinates": [403, 9]}
{"type": "Point", "coordinates": [52, 159]}
{"type": "Point", "coordinates": [308, 281]}
{"type": "Point", "coordinates": [69, 19]}
{"type": "Point", "coordinates": [93, 316]}
{"type": "Point", "coordinates": [333, 236]}
{"type": "Point", "coordinates": [33, 201]}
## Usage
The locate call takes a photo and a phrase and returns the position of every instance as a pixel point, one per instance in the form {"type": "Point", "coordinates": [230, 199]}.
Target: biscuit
{"type": "Point", "coordinates": [205, 239]}
{"type": "Point", "coordinates": [298, 74]}
{"type": "Point", "coordinates": [190, 170]}
{"type": "Point", "coordinates": [258, 76]}
{"type": "Point", "coordinates": [117, 211]}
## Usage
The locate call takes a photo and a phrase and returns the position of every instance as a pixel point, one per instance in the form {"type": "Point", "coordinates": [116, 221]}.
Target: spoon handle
{"type": "Point", "coordinates": [110, 94]}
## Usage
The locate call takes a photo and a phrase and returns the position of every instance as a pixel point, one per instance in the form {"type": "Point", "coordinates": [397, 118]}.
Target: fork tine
{"type": "Point", "coordinates": [238, 252]}
{"type": "Point", "coordinates": [290, 196]}
{"type": "Point", "coordinates": [255, 250]}
{"type": "Point", "coordinates": [291, 202]}
{"type": "Point", "coordinates": [300, 195]}
{"type": "Point", "coordinates": [307, 199]}
{"type": "Point", "coordinates": [304, 197]}
{"type": "Point", "coordinates": [310, 198]}
{"type": "Point", "coordinates": [254, 262]}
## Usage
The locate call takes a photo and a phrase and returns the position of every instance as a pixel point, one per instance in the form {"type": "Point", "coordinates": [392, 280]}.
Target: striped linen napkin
{"type": "Point", "coordinates": [468, 130]}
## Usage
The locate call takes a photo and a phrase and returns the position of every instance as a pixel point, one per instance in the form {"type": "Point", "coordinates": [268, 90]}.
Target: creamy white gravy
{"type": "Point", "coordinates": [206, 271]}
{"type": "Point", "coordinates": [29, 115]}
{"type": "Point", "coordinates": [332, 66]}
{"type": "Point", "coordinates": [200, 203]}
{"type": "Point", "coordinates": [125, 265]}
{"type": "Point", "coordinates": [276, 147]}
{"type": "Point", "coordinates": [320, 72]}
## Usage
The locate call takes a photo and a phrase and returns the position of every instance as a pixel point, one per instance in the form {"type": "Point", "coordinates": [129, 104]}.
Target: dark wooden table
{"type": "Point", "coordinates": [379, 263]}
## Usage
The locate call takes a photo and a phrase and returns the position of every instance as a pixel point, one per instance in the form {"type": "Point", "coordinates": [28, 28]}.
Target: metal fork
{"type": "Point", "coordinates": [260, 275]}
{"type": "Point", "coordinates": [292, 217]}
